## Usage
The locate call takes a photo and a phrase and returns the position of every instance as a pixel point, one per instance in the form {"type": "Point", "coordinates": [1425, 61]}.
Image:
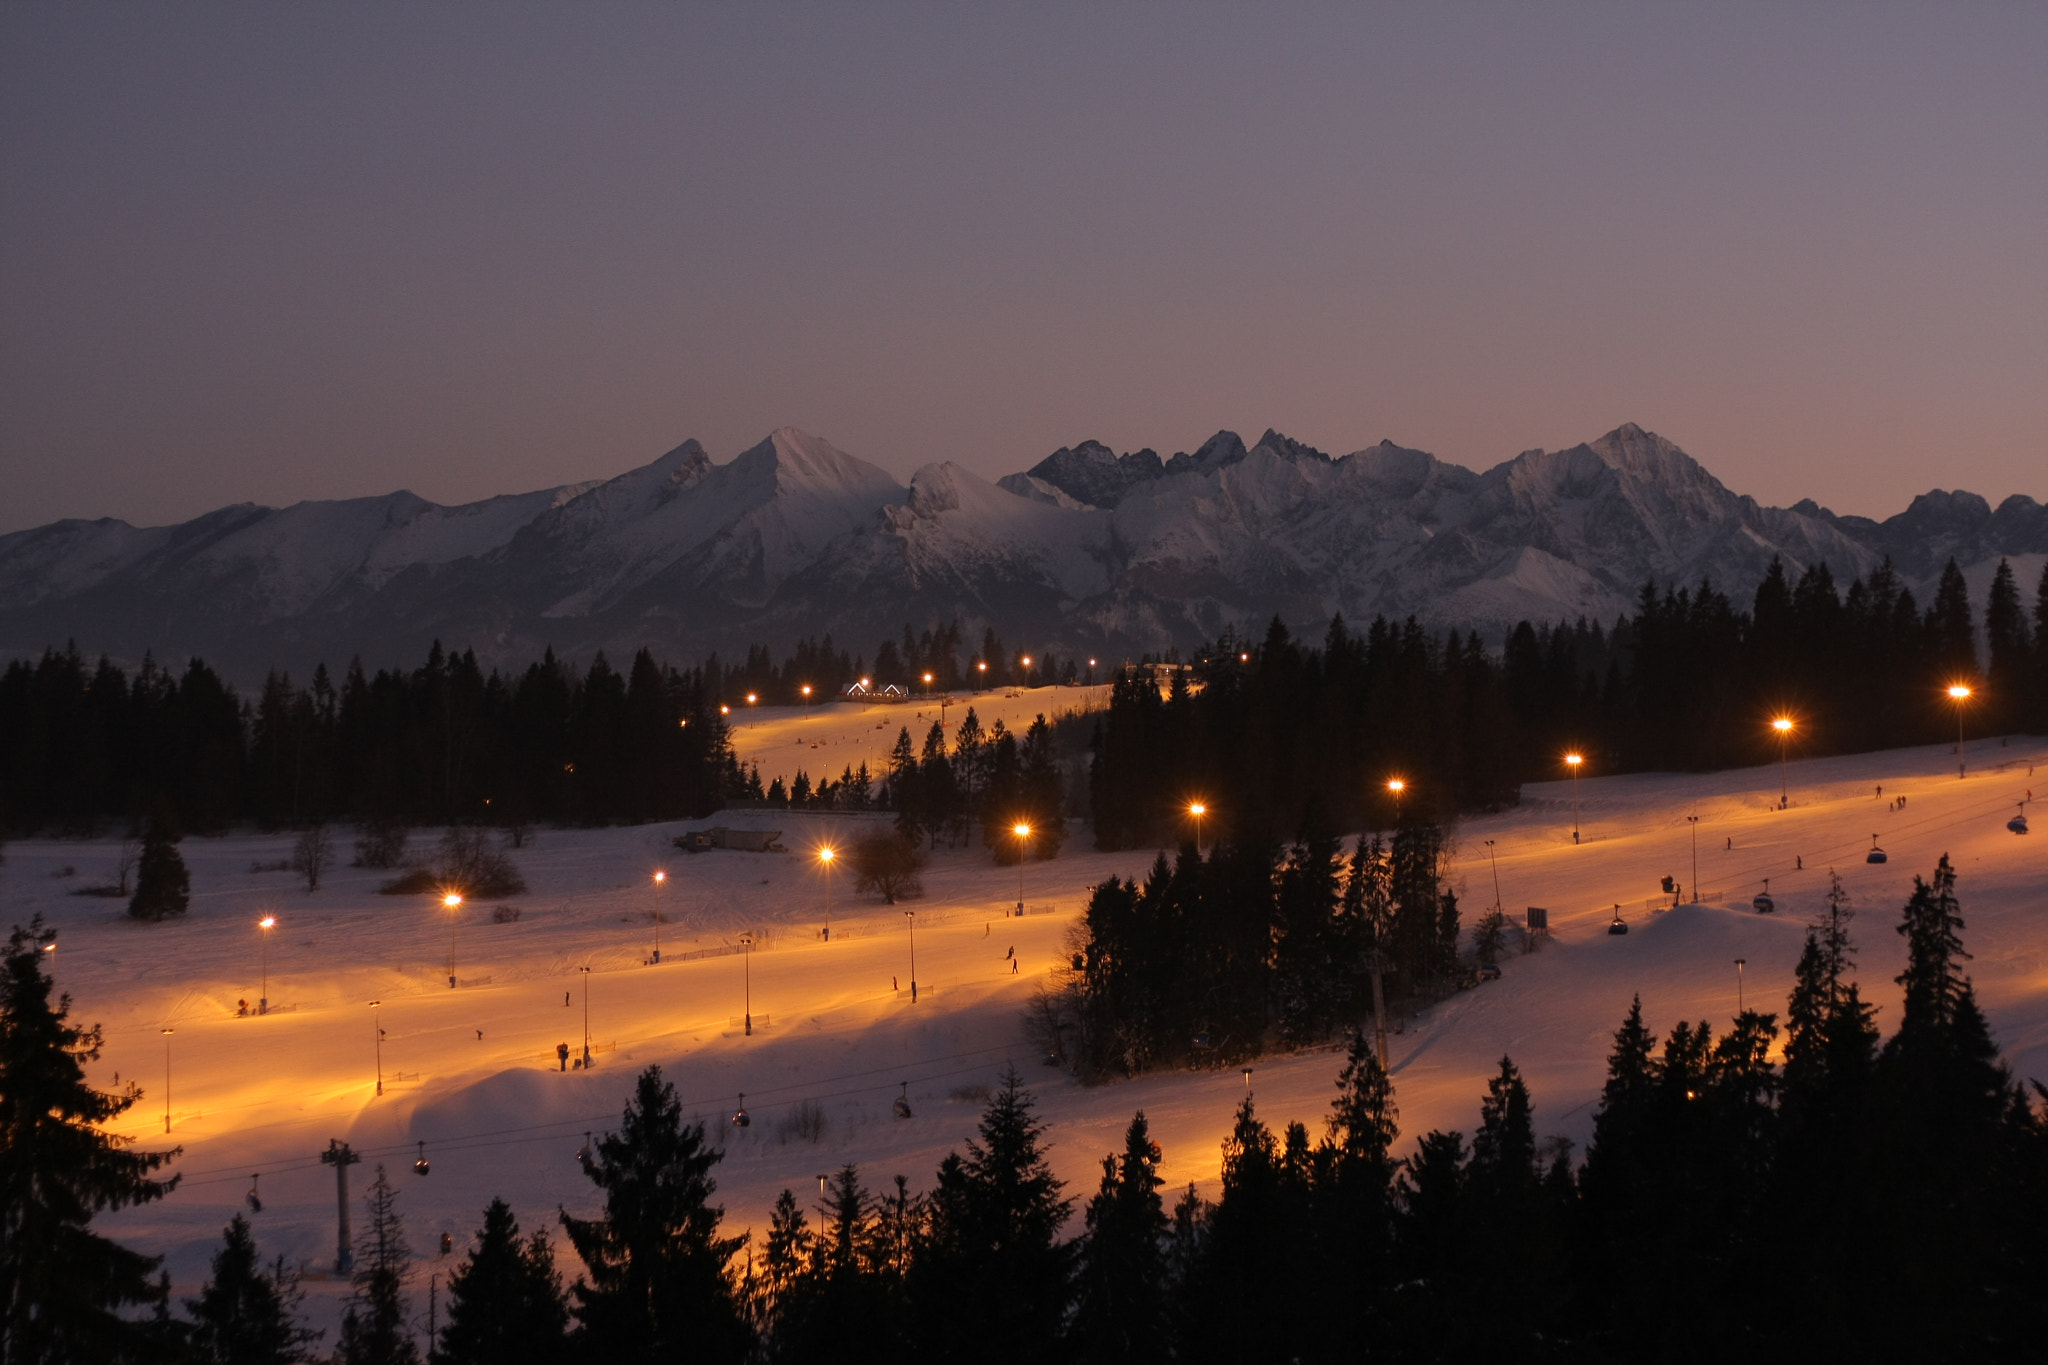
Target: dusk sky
{"type": "Point", "coordinates": [280, 252]}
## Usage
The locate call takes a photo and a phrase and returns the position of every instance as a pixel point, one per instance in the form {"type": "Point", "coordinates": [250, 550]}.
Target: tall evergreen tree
{"type": "Point", "coordinates": [375, 1329]}
{"type": "Point", "coordinates": [163, 888]}
{"type": "Point", "coordinates": [1121, 1282]}
{"type": "Point", "coordinates": [62, 1286]}
{"type": "Point", "coordinates": [991, 1282]}
{"type": "Point", "coordinates": [659, 1285]}
{"type": "Point", "coordinates": [246, 1315]}
{"type": "Point", "coordinates": [505, 1303]}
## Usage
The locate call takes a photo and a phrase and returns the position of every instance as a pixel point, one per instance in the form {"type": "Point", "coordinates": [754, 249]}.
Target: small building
{"type": "Point", "coordinates": [738, 840]}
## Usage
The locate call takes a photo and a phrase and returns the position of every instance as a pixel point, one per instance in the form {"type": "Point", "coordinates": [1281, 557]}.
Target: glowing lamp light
{"type": "Point", "coordinates": [1574, 759]}
{"type": "Point", "coordinates": [660, 877]}
{"type": "Point", "coordinates": [753, 697]}
{"type": "Point", "coordinates": [724, 710]}
{"type": "Point", "coordinates": [451, 900]}
{"type": "Point", "coordinates": [807, 689]}
{"type": "Point", "coordinates": [1782, 725]}
{"type": "Point", "coordinates": [826, 854]}
{"type": "Point", "coordinates": [1959, 692]}
{"type": "Point", "coordinates": [1021, 831]}
{"type": "Point", "coordinates": [927, 678]}
{"type": "Point", "coordinates": [863, 682]}
{"type": "Point", "coordinates": [1027, 661]}
{"type": "Point", "coordinates": [1397, 786]}
{"type": "Point", "coordinates": [267, 922]}
{"type": "Point", "coordinates": [981, 668]}
{"type": "Point", "coordinates": [1198, 809]}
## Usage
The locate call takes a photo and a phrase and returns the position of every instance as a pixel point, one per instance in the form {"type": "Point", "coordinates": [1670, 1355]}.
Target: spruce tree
{"type": "Point", "coordinates": [1120, 1311]}
{"type": "Point", "coordinates": [246, 1315]}
{"type": "Point", "coordinates": [163, 888]}
{"type": "Point", "coordinates": [375, 1329]}
{"type": "Point", "coordinates": [62, 1287]}
{"type": "Point", "coordinates": [505, 1303]}
{"type": "Point", "coordinates": [991, 1282]}
{"type": "Point", "coordinates": [659, 1284]}
{"type": "Point", "coordinates": [841, 1304]}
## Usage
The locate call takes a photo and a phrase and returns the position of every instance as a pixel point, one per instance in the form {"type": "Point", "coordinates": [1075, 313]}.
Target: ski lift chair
{"type": "Point", "coordinates": [255, 1200]}
{"type": "Point", "coordinates": [583, 1156]}
{"type": "Point", "coordinates": [740, 1117]}
{"type": "Point", "coordinates": [901, 1105]}
{"type": "Point", "coordinates": [422, 1166]}
{"type": "Point", "coordinates": [1762, 901]}
{"type": "Point", "coordinates": [1876, 854]}
{"type": "Point", "coordinates": [1619, 926]}
{"type": "Point", "coordinates": [2018, 824]}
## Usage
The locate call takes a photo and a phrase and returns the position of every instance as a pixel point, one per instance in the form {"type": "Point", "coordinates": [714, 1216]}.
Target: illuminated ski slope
{"type": "Point", "coordinates": [473, 1072]}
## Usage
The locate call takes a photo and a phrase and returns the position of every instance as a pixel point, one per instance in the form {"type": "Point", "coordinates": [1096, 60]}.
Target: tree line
{"type": "Point", "coordinates": [1256, 731]}
{"type": "Point", "coordinates": [1866, 1197]}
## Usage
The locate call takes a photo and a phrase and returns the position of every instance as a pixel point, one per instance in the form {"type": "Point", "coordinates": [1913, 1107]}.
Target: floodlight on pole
{"type": "Point", "coordinates": [747, 981]}
{"type": "Point", "coordinates": [1196, 810]}
{"type": "Point", "coordinates": [266, 924]}
{"type": "Point", "coordinates": [1693, 823]}
{"type": "Point", "coordinates": [1574, 761]}
{"type": "Point", "coordinates": [910, 918]}
{"type": "Point", "coordinates": [660, 879]}
{"type": "Point", "coordinates": [1959, 693]}
{"type": "Point", "coordinates": [825, 857]}
{"type": "Point", "coordinates": [1023, 832]}
{"type": "Point", "coordinates": [1495, 863]}
{"type": "Point", "coordinates": [1783, 725]}
{"type": "Point", "coordinates": [167, 1080]}
{"type": "Point", "coordinates": [453, 902]}
{"type": "Point", "coordinates": [377, 1034]}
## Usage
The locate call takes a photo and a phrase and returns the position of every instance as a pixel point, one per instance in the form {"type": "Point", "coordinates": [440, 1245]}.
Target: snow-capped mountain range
{"type": "Point", "coordinates": [1088, 552]}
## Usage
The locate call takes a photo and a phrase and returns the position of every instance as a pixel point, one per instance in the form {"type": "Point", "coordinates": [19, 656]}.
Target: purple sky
{"type": "Point", "coordinates": [290, 251]}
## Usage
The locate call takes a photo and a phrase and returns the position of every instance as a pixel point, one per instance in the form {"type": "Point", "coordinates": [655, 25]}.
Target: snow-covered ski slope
{"type": "Point", "coordinates": [472, 1070]}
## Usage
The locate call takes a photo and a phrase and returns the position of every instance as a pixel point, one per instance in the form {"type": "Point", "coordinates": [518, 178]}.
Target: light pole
{"type": "Point", "coordinates": [1495, 862]}
{"type": "Point", "coordinates": [1025, 681]}
{"type": "Point", "coordinates": [910, 917]}
{"type": "Point", "coordinates": [825, 857]}
{"type": "Point", "coordinates": [660, 877]}
{"type": "Point", "coordinates": [981, 667]}
{"type": "Point", "coordinates": [167, 1080]}
{"type": "Point", "coordinates": [454, 903]}
{"type": "Point", "coordinates": [1398, 788]}
{"type": "Point", "coordinates": [1023, 832]}
{"type": "Point", "coordinates": [377, 1033]}
{"type": "Point", "coordinates": [806, 690]}
{"type": "Point", "coordinates": [928, 691]}
{"type": "Point", "coordinates": [1738, 983]}
{"type": "Point", "coordinates": [1959, 693]}
{"type": "Point", "coordinates": [1693, 823]}
{"type": "Point", "coordinates": [1783, 725]}
{"type": "Point", "coordinates": [1197, 810]}
{"type": "Point", "coordinates": [1573, 761]}
{"type": "Point", "coordinates": [747, 981]}
{"type": "Point", "coordinates": [266, 924]}
{"type": "Point", "coordinates": [586, 1016]}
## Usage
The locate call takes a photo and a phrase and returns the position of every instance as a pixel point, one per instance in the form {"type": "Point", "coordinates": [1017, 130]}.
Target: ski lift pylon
{"type": "Point", "coordinates": [1762, 901]}
{"type": "Point", "coordinates": [1876, 854]}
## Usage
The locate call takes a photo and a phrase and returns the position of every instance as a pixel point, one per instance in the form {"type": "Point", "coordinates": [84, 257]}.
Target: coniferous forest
{"type": "Point", "coordinates": [1870, 1197]}
{"type": "Point", "coordinates": [1276, 735]}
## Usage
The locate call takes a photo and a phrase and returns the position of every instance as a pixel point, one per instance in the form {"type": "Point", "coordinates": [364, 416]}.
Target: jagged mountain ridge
{"type": "Point", "coordinates": [1087, 551]}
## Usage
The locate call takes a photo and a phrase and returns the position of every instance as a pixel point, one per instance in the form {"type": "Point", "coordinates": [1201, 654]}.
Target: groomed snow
{"type": "Point", "coordinates": [266, 1094]}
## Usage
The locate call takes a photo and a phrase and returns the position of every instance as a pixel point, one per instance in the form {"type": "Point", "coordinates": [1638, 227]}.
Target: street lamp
{"type": "Point", "coordinates": [1783, 725]}
{"type": "Point", "coordinates": [1397, 788]}
{"type": "Point", "coordinates": [910, 917]}
{"type": "Point", "coordinates": [453, 901]}
{"type": "Point", "coordinates": [806, 690]}
{"type": "Point", "coordinates": [1023, 832]}
{"type": "Point", "coordinates": [659, 878]}
{"type": "Point", "coordinates": [1738, 983]}
{"type": "Point", "coordinates": [747, 981]}
{"type": "Point", "coordinates": [753, 698]}
{"type": "Point", "coordinates": [1573, 761]}
{"type": "Point", "coordinates": [377, 1033]}
{"type": "Point", "coordinates": [825, 857]}
{"type": "Point", "coordinates": [1959, 693]}
{"type": "Point", "coordinates": [586, 1016]}
{"type": "Point", "coordinates": [266, 924]}
{"type": "Point", "coordinates": [1693, 822]}
{"type": "Point", "coordinates": [167, 1080]}
{"type": "Point", "coordinates": [1197, 810]}
{"type": "Point", "coordinates": [1490, 858]}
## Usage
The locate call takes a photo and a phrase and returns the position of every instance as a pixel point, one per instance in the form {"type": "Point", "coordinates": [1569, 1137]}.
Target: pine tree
{"type": "Point", "coordinates": [1952, 635]}
{"type": "Point", "coordinates": [163, 888]}
{"type": "Point", "coordinates": [245, 1315]}
{"type": "Point", "coordinates": [659, 1285]}
{"type": "Point", "coordinates": [1121, 1281]}
{"type": "Point", "coordinates": [375, 1330]}
{"type": "Point", "coordinates": [1245, 1264]}
{"type": "Point", "coordinates": [62, 1287]}
{"type": "Point", "coordinates": [505, 1303]}
{"type": "Point", "coordinates": [2010, 648]}
{"type": "Point", "coordinates": [991, 1282]}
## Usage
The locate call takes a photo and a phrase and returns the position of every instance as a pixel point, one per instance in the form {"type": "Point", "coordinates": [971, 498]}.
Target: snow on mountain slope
{"type": "Point", "coordinates": [1089, 551]}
